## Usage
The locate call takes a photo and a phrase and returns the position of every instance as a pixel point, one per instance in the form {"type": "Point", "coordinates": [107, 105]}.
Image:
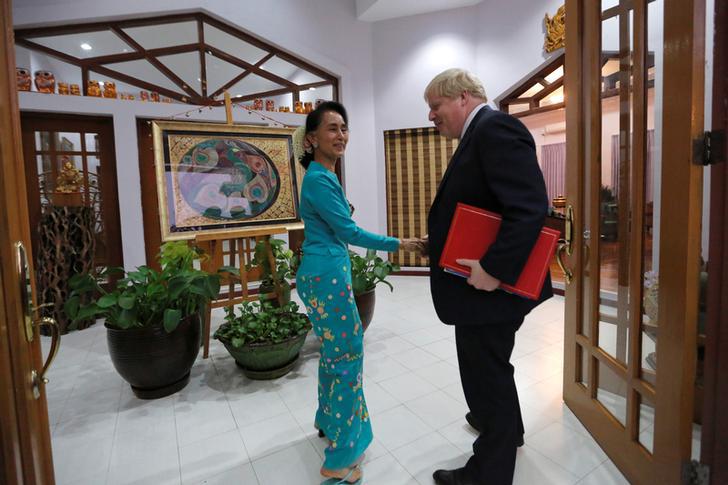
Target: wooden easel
{"type": "Point", "coordinates": [238, 254]}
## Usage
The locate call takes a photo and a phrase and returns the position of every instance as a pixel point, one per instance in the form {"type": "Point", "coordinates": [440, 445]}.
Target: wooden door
{"type": "Point", "coordinates": [50, 140]}
{"type": "Point", "coordinates": [714, 446]}
{"type": "Point", "coordinates": [25, 444]}
{"type": "Point", "coordinates": [630, 346]}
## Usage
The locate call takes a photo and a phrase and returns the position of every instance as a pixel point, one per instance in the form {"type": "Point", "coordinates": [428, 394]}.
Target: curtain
{"type": "Point", "coordinates": [553, 165]}
{"type": "Point", "coordinates": [649, 164]}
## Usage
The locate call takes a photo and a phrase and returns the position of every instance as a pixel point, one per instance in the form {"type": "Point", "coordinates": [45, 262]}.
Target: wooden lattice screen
{"type": "Point", "coordinates": [416, 160]}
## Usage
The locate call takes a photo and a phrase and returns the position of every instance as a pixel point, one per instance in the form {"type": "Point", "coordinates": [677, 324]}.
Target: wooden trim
{"type": "Point", "coordinates": [143, 84]}
{"type": "Point", "coordinates": [150, 202]}
{"type": "Point", "coordinates": [244, 65]}
{"type": "Point", "coordinates": [239, 77]}
{"type": "Point", "coordinates": [25, 36]}
{"type": "Point", "coordinates": [573, 293]}
{"type": "Point", "coordinates": [275, 92]}
{"type": "Point", "coordinates": [592, 181]}
{"type": "Point", "coordinates": [203, 61]}
{"type": "Point", "coordinates": [155, 62]}
{"type": "Point", "coordinates": [684, 73]}
{"type": "Point", "coordinates": [714, 447]}
{"type": "Point", "coordinates": [637, 209]}
{"type": "Point", "coordinates": [135, 56]}
{"type": "Point", "coordinates": [25, 441]}
{"type": "Point", "coordinates": [47, 50]}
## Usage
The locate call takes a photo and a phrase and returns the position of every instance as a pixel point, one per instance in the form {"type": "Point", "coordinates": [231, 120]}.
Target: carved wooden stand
{"type": "Point", "coordinates": [66, 247]}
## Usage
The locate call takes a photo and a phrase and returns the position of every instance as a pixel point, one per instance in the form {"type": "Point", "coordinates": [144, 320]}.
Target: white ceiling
{"type": "Point", "coordinates": [373, 10]}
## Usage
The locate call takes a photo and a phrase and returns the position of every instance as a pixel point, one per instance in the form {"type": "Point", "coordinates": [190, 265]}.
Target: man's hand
{"type": "Point", "coordinates": [425, 246]}
{"type": "Point", "coordinates": [478, 277]}
{"type": "Point", "coordinates": [410, 244]}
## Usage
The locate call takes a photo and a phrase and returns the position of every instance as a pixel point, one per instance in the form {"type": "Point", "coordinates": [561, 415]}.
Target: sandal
{"type": "Point", "coordinates": [345, 479]}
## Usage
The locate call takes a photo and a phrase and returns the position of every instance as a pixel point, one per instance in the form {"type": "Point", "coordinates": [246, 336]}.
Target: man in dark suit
{"type": "Point", "coordinates": [494, 168]}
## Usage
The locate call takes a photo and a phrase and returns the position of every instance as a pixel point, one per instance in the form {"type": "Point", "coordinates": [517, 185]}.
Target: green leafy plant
{"type": "Point", "coordinates": [261, 322]}
{"type": "Point", "coordinates": [283, 259]}
{"type": "Point", "coordinates": [146, 297]}
{"type": "Point", "coordinates": [368, 271]}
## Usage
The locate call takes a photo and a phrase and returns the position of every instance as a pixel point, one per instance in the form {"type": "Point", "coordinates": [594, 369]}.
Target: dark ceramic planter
{"type": "Point", "coordinates": [155, 363]}
{"type": "Point", "coordinates": [267, 361]}
{"type": "Point", "coordinates": [365, 304]}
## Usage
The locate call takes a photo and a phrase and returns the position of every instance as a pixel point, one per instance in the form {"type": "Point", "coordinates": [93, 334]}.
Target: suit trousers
{"type": "Point", "coordinates": [484, 353]}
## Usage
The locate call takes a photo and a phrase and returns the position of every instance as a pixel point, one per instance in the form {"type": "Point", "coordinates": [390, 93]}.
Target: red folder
{"type": "Point", "coordinates": [473, 230]}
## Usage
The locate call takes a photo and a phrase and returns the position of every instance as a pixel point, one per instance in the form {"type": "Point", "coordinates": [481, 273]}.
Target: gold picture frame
{"type": "Point", "coordinates": [217, 178]}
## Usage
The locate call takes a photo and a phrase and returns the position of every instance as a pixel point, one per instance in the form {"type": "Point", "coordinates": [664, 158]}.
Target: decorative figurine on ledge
{"type": "Point", "coordinates": [94, 89]}
{"type": "Point", "coordinates": [154, 96]}
{"type": "Point", "coordinates": [45, 82]}
{"type": "Point", "coordinates": [270, 105]}
{"type": "Point", "coordinates": [143, 96]}
{"type": "Point", "coordinates": [110, 89]}
{"type": "Point", "coordinates": [68, 185]}
{"type": "Point", "coordinates": [63, 89]}
{"type": "Point", "coordinates": [22, 79]}
{"type": "Point", "coordinates": [75, 90]}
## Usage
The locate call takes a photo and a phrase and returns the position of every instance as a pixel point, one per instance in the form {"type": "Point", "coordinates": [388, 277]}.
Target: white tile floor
{"type": "Point", "coordinates": [226, 429]}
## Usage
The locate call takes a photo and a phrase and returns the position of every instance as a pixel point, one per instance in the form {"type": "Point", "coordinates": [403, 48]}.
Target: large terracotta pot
{"type": "Point", "coordinates": [365, 304]}
{"type": "Point", "coordinates": [155, 363]}
{"type": "Point", "coordinates": [266, 360]}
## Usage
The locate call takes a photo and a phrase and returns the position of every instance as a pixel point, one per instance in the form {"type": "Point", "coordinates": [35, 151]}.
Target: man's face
{"type": "Point", "coordinates": [448, 114]}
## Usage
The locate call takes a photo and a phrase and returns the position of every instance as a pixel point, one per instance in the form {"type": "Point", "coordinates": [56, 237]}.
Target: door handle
{"type": "Point", "coordinates": [36, 378]}
{"type": "Point", "coordinates": [565, 245]}
{"type": "Point", "coordinates": [21, 260]}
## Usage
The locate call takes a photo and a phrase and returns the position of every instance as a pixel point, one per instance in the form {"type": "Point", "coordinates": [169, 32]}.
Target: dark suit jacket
{"type": "Point", "coordinates": [494, 168]}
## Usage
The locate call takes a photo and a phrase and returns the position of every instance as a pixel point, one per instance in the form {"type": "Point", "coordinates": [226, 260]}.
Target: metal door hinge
{"type": "Point", "coordinates": [711, 149]}
{"type": "Point", "coordinates": [695, 473]}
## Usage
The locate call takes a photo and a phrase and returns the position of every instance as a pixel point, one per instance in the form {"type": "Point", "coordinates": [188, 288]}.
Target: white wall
{"type": "Point", "coordinates": [326, 32]}
{"type": "Point", "coordinates": [498, 44]}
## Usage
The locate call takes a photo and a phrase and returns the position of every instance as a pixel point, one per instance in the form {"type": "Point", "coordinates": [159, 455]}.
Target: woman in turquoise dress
{"type": "Point", "coordinates": [323, 281]}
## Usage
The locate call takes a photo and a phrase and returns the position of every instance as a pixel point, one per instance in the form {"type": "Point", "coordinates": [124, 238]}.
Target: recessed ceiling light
{"type": "Point", "coordinates": [312, 88]}
{"type": "Point", "coordinates": [86, 47]}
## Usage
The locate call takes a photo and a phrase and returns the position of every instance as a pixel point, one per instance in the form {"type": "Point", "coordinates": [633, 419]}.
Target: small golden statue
{"type": "Point", "coordinates": [555, 30]}
{"type": "Point", "coordinates": [70, 179]}
{"type": "Point", "coordinates": [109, 90]}
{"type": "Point", "coordinates": [93, 89]}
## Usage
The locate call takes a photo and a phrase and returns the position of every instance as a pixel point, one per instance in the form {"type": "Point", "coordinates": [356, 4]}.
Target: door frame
{"type": "Point", "coordinates": [31, 121]}
{"type": "Point", "coordinates": [714, 440]}
{"type": "Point", "coordinates": [25, 443]}
{"type": "Point", "coordinates": [679, 242]}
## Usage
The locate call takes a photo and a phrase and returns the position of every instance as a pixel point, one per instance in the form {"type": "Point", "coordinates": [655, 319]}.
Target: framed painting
{"type": "Point", "coordinates": [216, 178]}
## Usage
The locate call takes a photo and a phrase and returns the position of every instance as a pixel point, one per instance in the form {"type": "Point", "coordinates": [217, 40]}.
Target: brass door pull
{"type": "Point", "coordinates": [55, 343]}
{"type": "Point", "coordinates": [565, 245]}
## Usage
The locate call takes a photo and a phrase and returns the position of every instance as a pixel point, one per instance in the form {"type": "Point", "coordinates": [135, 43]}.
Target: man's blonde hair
{"type": "Point", "coordinates": [453, 82]}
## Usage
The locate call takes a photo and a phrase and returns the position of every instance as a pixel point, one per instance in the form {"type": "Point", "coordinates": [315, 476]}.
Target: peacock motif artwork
{"type": "Point", "coordinates": [227, 179]}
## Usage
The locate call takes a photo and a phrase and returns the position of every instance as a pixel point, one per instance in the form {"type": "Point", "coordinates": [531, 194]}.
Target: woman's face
{"type": "Point", "coordinates": [332, 135]}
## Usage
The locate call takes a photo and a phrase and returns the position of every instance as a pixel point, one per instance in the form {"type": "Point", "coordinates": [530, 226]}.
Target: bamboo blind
{"type": "Point", "coordinates": [415, 161]}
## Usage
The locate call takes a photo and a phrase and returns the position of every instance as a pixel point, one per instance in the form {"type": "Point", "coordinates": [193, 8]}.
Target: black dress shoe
{"type": "Point", "coordinates": [474, 424]}
{"type": "Point", "coordinates": [471, 421]}
{"type": "Point", "coordinates": [458, 476]}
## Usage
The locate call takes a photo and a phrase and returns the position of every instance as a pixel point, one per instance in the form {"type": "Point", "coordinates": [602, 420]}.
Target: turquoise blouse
{"type": "Point", "coordinates": [325, 211]}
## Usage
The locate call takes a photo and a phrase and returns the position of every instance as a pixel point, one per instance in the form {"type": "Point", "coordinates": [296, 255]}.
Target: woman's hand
{"type": "Point", "coordinates": [412, 244]}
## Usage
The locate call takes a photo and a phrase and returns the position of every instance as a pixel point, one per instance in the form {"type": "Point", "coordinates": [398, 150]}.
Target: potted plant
{"type": "Point", "coordinates": [152, 317]}
{"type": "Point", "coordinates": [274, 286]}
{"type": "Point", "coordinates": [366, 273]}
{"type": "Point", "coordinates": [264, 339]}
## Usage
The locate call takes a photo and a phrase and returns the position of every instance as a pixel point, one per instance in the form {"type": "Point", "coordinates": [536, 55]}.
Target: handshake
{"type": "Point", "coordinates": [415, 244]}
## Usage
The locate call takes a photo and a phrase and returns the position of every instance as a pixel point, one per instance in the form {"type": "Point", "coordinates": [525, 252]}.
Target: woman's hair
{"type": "Point", "coordinates": [452, 82]}
{"type": "Point", "coordinates": [313, 121]}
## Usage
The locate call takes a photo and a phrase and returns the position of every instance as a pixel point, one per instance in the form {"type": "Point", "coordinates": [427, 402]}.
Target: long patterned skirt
{"type": "Point", "coordinates": [324, 285]}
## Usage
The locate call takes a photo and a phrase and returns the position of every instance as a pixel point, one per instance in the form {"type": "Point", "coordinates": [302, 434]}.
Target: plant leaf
{"type": "Point", "coordinates": [107, 301]}
{"type": "Point", "coordinates": [172, 317]}
{"type": "Point", "coordinates": [127, 302]}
